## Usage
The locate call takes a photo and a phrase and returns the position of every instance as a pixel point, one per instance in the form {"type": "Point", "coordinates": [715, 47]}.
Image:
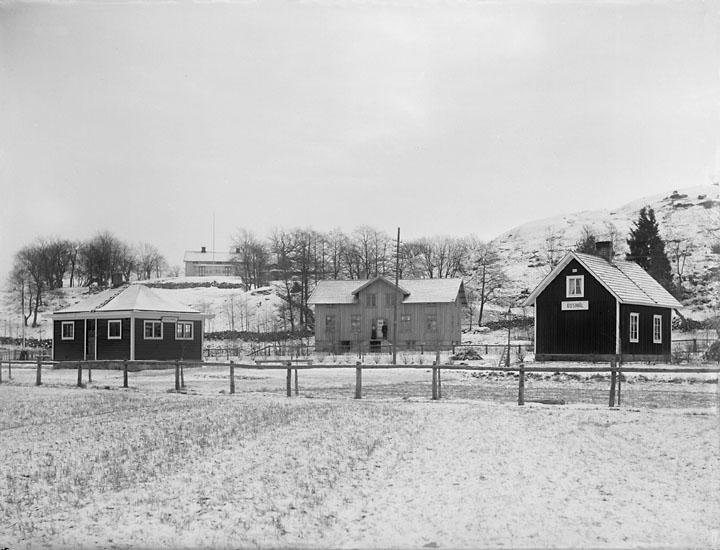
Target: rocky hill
{"type": "Point", "coordinates": [688, 219]}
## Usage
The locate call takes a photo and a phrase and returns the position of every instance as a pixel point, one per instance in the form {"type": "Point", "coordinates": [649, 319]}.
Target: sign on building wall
{"type": "Point", "coordinates": [575, 305]}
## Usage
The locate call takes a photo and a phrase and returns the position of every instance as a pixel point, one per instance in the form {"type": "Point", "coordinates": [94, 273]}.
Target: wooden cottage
{"type": "Point", "coordinates": [352, 315]}
{"type": "Point", "coordinates": [132, 322]}
{"type": "Point", "coordinates": [594, 308]}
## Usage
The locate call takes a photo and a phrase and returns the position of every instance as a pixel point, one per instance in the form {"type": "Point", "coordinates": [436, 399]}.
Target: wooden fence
{"type": "Point", "coordinates": [292, 366]}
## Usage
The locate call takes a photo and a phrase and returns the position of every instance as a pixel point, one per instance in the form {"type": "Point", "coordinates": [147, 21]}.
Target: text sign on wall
{"type": "Point", "coordinates": [169, 319]}
{"type": "Point", "coordinates": [575, 305]}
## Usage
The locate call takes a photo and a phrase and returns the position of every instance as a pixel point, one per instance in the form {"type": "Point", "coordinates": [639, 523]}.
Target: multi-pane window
{"type": "Point", "coordinates": [405, 320]}
{"type": "Point", "coordinates": [68, 330]}
{"type": "Point", "coordinates": [575, 286]}
{"type": "Point", "coordinates": [152, 330]}
{"type": "Point", "coordinates": [370, 300]}
{"type": "Point", "coordinates": [634, 327]}
{"type": "Point", "coordinates": [431, 322]}
{"type": "Point", "coordinates": [114, 330]}
{"type": "Point", "coordinates": [184, 331]}
{"type": "Point", "coordinates": [329, 323]}
{"type": "Point", "coordinates": [657, 329]}
{"type": "Point", "coordinates": [390, 298]}
{"type": "Point", "coordinates": [355, 322]}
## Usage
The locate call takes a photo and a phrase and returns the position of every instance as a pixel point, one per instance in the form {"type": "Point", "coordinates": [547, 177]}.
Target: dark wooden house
{"type": "Point", "coordinates": [596, 308]}
{"type": "Point", "coordinates": [351, 315]}
{"type": "Point", "coordinates": [132, 322]}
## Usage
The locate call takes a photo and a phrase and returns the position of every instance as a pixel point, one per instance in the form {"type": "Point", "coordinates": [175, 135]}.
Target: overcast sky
{"type": "Point", "coordinates": [439, 117]}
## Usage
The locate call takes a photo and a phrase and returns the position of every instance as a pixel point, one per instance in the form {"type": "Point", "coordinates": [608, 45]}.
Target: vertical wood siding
{"type": "Point", "coordinates": [645, 345]}
{"type": "Point", "coordinates": [168, 348]}
{"type": "Point", "coordinates": [112, 349]}
{"type": "Point", "coordinates": [68, 350]}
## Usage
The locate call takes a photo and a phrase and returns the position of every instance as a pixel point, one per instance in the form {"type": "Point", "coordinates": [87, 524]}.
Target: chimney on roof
{"type": "Point", "coordinates": [117, 280]}
{"type": "Point", "coordinates": [202, 250]}
{"type": "Point", "coordinates": [604, 249]}
{"type": "Point", "coordinates": [237, 250]}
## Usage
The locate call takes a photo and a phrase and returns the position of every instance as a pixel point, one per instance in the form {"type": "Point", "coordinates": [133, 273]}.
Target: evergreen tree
{"type": "Point", "coordinates": [647, 249]}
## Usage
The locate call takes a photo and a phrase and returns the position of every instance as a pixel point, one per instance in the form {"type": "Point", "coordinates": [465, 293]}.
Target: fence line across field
{"type": "Point", "coordinates": [294, 365]}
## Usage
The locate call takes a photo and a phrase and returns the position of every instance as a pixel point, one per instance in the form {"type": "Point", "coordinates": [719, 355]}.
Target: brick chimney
{"type": "Point", "coordinates": [604, 249]}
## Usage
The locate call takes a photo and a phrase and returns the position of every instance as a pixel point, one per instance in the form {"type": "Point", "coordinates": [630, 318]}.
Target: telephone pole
{"type": "Point", "coordinates": [395, 302]}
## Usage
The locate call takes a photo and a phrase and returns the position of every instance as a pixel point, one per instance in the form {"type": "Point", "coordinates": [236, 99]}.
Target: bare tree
{"type": "Point", "coordinates": [148, 260]}
{"type": "Point", "coordinates": [252, 257]}
{"type": "Point", "coordinates": [487, 277]}
{"type": "Point", "coordinates": [552, 250]}
{"type": "Point", "coordinates": [104, 255]}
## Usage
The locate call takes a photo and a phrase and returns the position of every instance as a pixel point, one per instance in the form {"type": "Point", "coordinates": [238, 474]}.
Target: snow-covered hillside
{"type": "Point", "coordinates": [688, 215]}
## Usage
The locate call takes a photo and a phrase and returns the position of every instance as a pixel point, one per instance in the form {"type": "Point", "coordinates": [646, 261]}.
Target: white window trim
{"type": "Point", "coordinates": [657, 329]}
{"type": "Point", "coordinates": [146, 337]}
{"type": "Point", "coordinates": [635, 339]}
{"type": "Point", "coordinates": [569, 278]}
{"type": "Point", "coordinates": [110, 322]}
{"type": "Point", "coordinates": [192, 330]}
{"type": "Point", "coordinates": [62, 330]}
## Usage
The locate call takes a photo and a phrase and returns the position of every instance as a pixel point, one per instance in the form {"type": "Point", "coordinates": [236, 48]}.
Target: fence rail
{"type": "Point", "coordinates": [85, 371]}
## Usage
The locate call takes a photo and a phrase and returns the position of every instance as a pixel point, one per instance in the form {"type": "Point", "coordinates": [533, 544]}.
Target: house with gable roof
{"type": "Point", "coordinates": [131, 322]}
{"type": "Point", "coordinates": [600, 309]}
{"type": "Point", "coordinates": [352, 315]}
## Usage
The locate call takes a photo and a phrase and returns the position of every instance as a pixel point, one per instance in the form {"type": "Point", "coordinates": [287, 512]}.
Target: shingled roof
{"type": "Point", "coordinates": [415, 291]}
{"type": "Point", "coordinates": [129, 298]}
{"type": "Point", "coordinates": [626, 281]}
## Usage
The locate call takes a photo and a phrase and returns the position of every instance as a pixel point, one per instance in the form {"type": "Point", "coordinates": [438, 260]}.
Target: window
{"type": "Point", "coordinates": [405, 320]}
{"type": "Point", "coordinates": [390, 299]}
{"type": "Point", "coordinates": [657, 329]}
{"type": "Point", "coordinates": [153, 330]}
{"type": "Point", "coordinates": [68, 330]}
{"type": "Point", "coordinates": [202, 270]}
{"type": "Point", "coordinates": [329, 323]}
{"type": "Point", "coordinates": [114, 330]}
{"type": "Point", "coordinates": [227, 270]}
{"type": "Point", "coordinates": [634, 327]}
{"type": "Point", "coordinates": [575, 286]}
{"type": "Point", "coordinates": [355, 322]}
{"type": "Point", "coordinates": [370, 300]}
{"type": "Point", "coordinates": [431, 322]}
{"type": "Point", "coordinates": [184, 331]}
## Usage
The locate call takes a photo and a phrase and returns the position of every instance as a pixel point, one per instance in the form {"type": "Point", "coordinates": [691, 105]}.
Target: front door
{"type": "Point", "coordinates": [90, 342]}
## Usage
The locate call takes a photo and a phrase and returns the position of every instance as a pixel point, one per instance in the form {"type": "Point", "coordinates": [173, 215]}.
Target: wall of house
{"type": "Point", "coordinates": [168, 348]}
{"type": "Point", "coordinates": [575, 332]}
{"type": "Point", "coordinates": [68, 350]}
{"type": "Point", "coordinates": [196, 269]}
{"type": "Point", "coordinates": [645, 345]}
{"type": "Point", "coordinates": [414, 333]}
{"type": "Point", "coordinates": [112, 349]}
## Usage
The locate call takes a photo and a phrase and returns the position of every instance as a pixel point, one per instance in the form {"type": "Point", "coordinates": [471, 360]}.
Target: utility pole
{"type": "Point", "coordinates": [395, 302]}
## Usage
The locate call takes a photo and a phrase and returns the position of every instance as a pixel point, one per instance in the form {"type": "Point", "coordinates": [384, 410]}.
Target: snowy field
{"type": "Point", "coordinates": [147, 468]}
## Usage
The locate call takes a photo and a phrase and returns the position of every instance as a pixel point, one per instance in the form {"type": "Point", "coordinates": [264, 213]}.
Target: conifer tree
{"type": "Point", "coordinates": [647, 249]}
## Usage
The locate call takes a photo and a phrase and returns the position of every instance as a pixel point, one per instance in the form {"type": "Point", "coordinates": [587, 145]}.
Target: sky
{"type": "Point", "coordinates": [171, 122]}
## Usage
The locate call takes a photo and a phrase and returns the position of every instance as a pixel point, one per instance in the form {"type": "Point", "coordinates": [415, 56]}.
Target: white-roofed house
{"type": "Point", "coordinates": [132, 322]}
{"type": "Point", "coordinates": [597, 308]}
{"type": "Point", "coordinates": [209, 263]}
{"type": "Point", "coordinates": [352, 315]}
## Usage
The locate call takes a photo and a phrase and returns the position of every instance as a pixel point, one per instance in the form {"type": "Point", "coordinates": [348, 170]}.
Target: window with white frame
{"type": "Point", "coordinates": [634, 327]}
{"type": "Point", "coordinates": [115, 330]}
{"type": "Point", "coordinates": [657, 329]}
{"type": "Point", "coordinates": [153, 330]}
{"type": "Point", "coordinates": [184, 330]}
{"type": "Point", "coordinates": [68, 330]}
{"type": "Point", "coordinates": [575, 286]}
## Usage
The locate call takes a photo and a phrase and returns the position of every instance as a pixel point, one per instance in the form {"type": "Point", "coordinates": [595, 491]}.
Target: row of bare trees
{"type": "Point", "coordinates": [297, 258]}
{"type": "Point", "coordinates": [47, 263]}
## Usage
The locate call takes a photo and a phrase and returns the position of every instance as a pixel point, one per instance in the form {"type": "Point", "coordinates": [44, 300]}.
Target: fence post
{"type": "Point", "coordinates": [89, 373]}
{"type": "Point", "coordinates": [38, 373]}
{"type": "Point", "coordinates": [182, 374]}
{"type": "Point", "coordinates": [177, 376]}
{"type": "Point", "coordinates": [612, 383]}
{"type": "Point", "coordinates": [10, 369]}
{"type": "Point", "coordinates": [434, 382]}
{"type": "Point", "coordinates": [232, 377]}
{"type": "Point", "coordinates": [125, 374]}
{"type": "Point", "coordinates": [296, 382]}
{"type": "Point", "coordinates": [79, 373]}
{"type": "Point", "coordinates": [619, 385]}
{"type": "Point", "coordinates": [439, 382]}
{"type": "Point", "coordinates": [358, 380]}
{"type": "Point", "coordinates": [521, 384]}
{"type": "Point", "coordinates": [0, 372]}
{"type": "Point", "coordinates": [288, 380]}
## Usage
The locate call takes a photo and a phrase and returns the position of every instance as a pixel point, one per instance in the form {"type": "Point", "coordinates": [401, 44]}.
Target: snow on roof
{"type": "Point", "coordinates": [209, 257]}
{"type": "Point", "coordinates": [627, 281]}
{"type": "Point", "coordinates": [416, 291]}
{"type": "Point", "coordinates": [129, 298]}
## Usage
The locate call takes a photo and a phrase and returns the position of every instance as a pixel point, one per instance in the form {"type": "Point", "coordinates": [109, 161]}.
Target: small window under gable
{"type": "Point", "coordinates": [657, 329]}
{"type": "Point", "coordinates": [575, 286]}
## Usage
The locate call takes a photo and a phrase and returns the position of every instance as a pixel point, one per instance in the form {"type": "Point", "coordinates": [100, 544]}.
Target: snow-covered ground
{"type": "Point", "coordinates": [141, 467]}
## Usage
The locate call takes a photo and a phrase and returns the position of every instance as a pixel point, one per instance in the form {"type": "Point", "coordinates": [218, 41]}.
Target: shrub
{"type": "Point", "coordinates": [713, 352]}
